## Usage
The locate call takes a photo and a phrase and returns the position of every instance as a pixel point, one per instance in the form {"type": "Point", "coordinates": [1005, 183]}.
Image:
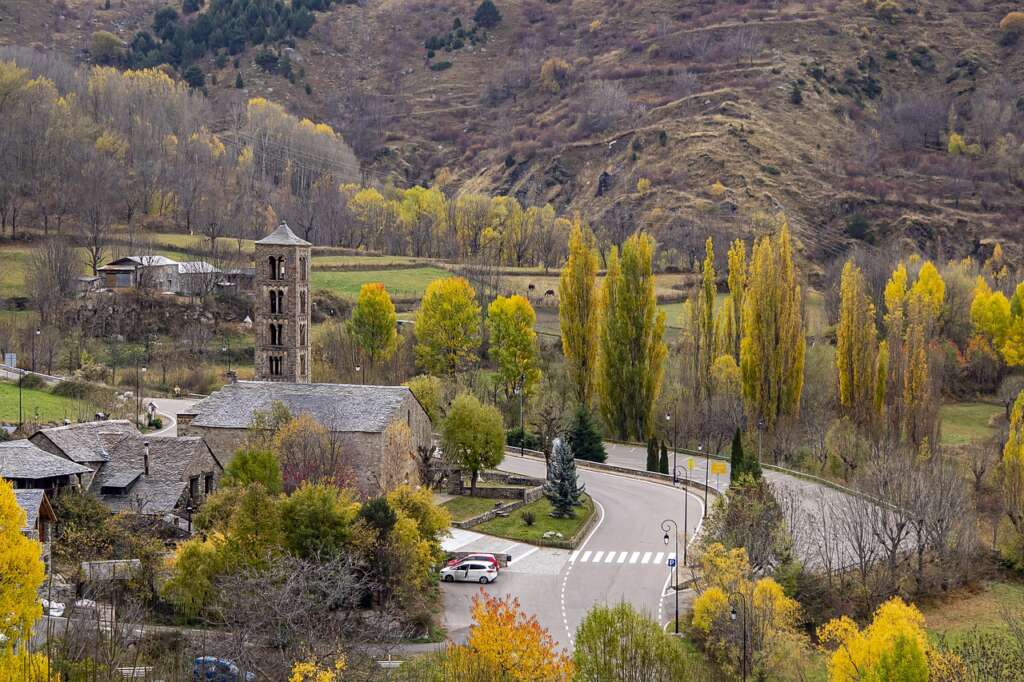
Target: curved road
{"type": "Point", "coordinates": [623, 559]}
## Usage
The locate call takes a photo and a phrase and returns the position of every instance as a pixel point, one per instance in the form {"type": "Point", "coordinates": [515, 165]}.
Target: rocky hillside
{"type": "Point", "coordinates": [692, 117]}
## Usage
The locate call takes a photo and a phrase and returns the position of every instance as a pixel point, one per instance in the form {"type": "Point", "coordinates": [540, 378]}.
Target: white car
{"type": "Point", "coordinates": [52, 608]}
{"type": "Point", "coordinates": [470, 571]}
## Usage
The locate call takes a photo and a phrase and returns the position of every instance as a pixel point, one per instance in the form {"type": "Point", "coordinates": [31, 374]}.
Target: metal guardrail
{"type": "Point", "coordinates": [48, 378]}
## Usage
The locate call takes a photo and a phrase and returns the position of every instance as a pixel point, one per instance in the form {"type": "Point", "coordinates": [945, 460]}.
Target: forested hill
{"type": "Point", "coordinates": [882, 123]}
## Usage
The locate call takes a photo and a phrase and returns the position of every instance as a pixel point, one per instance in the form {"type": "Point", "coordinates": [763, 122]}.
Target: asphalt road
{"type": "Point", "coordinates": [623, 559]}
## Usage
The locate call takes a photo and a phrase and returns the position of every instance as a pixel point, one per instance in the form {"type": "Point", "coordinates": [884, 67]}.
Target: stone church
{"type": "Point", "coordinates": [382, 429]}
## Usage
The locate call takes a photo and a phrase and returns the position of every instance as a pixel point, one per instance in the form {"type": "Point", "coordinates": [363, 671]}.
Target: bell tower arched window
{"type": "Point", "coordinates": [302, 268]}
{"type": "Point", "coordinates": [272, 267]}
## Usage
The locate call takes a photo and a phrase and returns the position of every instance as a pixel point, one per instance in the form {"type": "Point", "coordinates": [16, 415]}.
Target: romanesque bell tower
{"type": "Point", "coordinates": [282, 307]}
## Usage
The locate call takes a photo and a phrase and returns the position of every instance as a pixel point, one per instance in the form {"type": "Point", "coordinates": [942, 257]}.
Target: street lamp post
{"type": "Point", "coordinates": [707, 473]}
{"type": "Point", "coordinates": [668, 417]}
{"type": "Point", "coordinates": [686, 517]}
{"type": "Point", "coordinates": [665, 526]}
{"type": "Point", "coordinates": [227, 356]}
{"type": "Point", "coordinates": [734, 599]}
{"type": "Point", "coordinates": [21, 380]}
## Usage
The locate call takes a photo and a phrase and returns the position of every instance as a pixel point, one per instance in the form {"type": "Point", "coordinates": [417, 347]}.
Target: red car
{"type": "Point", "coordinates": [489, 558]}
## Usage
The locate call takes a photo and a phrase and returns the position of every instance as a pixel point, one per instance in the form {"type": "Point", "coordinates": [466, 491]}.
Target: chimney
{"type": "Point", "coordinates": [145, 458]}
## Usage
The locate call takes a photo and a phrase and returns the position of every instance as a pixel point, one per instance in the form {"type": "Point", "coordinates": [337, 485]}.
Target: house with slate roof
{"type": "Point", "coordinates": [154, 475]}
{"type": "Point", "coordinates": [39, 517]}
{"type": "Point", "coordinates": [362, 420]}
{"type": "Point", "coordinates": [29, 467]}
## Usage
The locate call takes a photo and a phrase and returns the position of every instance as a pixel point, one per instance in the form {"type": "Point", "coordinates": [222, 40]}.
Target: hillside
{"type": "Point", "coordinates": [832, 112]}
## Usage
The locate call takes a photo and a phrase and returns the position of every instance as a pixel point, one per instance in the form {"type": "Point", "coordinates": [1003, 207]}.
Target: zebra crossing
{"type": "Point", "coordinates": [618, 557]}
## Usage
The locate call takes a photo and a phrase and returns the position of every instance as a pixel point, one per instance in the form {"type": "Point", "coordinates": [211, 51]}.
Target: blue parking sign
{"type": "Point", "coordinates": [671, 562]}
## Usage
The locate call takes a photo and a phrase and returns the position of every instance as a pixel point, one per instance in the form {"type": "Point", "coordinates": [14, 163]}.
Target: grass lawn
{"type": "Point", "coordinates": [337, 261]}
{"type": "Point", "coordinates": [513, 528]}
{"type": "Point", "coordinates": [405, 283]}
{"type": "Point", "coordinates": [962, 611]}
{"type": "Point", "coordinates": [50, 408]}
{"type": "Point", "coordinates": [967, 422]}
{"type": "Point", "coordinates": [193, 241]}
{"type": "Point", "coordinates": [465, 507]}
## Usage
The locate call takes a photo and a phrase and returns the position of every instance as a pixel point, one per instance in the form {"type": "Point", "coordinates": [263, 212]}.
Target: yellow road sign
{"type": "Point", "coordinates": [690, 464]}
{"type": "Point", "coordinates": [718, 468]}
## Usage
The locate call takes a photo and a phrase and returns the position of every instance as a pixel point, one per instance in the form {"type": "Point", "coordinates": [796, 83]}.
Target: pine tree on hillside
{"type": "Point", "coordinates": [652, 456]}
{"type": "Point", "coordinates": [561, 488]}
{"type": "Point", "coordinates": [663, 463]}
{"type": "Point", "coordinates": [487, 15]}
{"type": "Point", "coordinates": [583, 438]}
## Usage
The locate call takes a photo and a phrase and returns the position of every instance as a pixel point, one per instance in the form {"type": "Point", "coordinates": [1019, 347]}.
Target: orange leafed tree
{"type": "Point", "coordinates": [505, 639]}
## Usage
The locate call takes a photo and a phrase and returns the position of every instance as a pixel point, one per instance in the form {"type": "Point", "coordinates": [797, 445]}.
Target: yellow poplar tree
{"type": "Point", "coordinates": [990, 312]}
{"type": "Point", "coordinates": [725, 328]}
{"type": "Point", "coordinates": [856, 346]}
{"type": "Point", "coordinates": [632, 346]}
{"type": "Point", "coordinates": [513, 343]}
{"type": "Point", "coordinates": [21, 575]}
{"type": "Point", "coordinates": [894, 646]}
{"type": "Point", "coordinates": [447, 327]}
{"type": "Point", "coordinates": [578, 310]}
{"type": "Point", "coordinates": [772, 351]}
{"type": "Point", "coordinates": [1013, 480]}
{"type": "Point", "coordinates": [737, 288]}
{"type": "Point", "coordinates": [373, 324]}
{"type": "Point", "coordinates": [704, 312]}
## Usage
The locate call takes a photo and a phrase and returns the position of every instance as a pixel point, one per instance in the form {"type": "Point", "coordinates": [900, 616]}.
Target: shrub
{"type": "Point", "coordinates": [643, 185]}
{"type": "Point", "coordinates": [105, 47]}
{"type": "Point", "coordinates": [190, 6]}
{"type": "Point", "coordinates": [858, 226]}
{"type": "Point", "coordinates": [529, 518]}
{"type": "Point", "coordinates": [267, 60]}
{"type": "Point", "coordinates": [516, 437]}
{"type": "Point", "coordinates": [1013, 22]}
{"type": "Point", "coordinates": [32, 381]}
{"type": "Point", "coordinates": [555, 74]}
{"type": "Point", "coordinates": [239, 83]}
{"type": "Point", "coordinates": [717, 189]}
{"type": "Point", "coordinates": [440, 66]}
{"type": "Point", "coordinates": [156, 423]}
{"type": "Point", "coordinates": [487, 15]}
{"type": "Point", "coordinates": [796, 96]}
{"type": "Point", "coordinates": [79, 390]}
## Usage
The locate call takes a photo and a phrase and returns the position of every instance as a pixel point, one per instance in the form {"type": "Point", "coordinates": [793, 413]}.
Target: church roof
{"type": "Point", "coordinates": [283, 236]}
{"type": "Point", "coordinates": [339, 407]}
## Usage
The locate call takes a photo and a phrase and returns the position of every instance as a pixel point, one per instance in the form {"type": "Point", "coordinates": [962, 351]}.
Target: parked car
{"type": "Point", "coordinates": [52, 608]}
{"type": "Point", "coordinates": [213, 669]}
{"type": "Point", "coordinates": [486, 558]}
{"type": "Point", "coordinates": [470, 571]}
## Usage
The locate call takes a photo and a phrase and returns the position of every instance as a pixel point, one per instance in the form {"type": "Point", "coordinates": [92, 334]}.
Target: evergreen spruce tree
{"type": "Point", "coordinates": [583, 438]}
{"type": "Point", "coordinates": [736, 462]}
{"type": "Point", "coordinates": [652, 456]}
{"type": "Point", "coordinates": [663, 463]}
{"type": "Point", "coordinates": [561, 488]}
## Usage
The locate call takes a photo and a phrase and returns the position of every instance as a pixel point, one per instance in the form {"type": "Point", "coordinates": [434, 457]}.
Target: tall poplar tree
{"type": "Point", "coordinates": [513, 343]}
{"type": "Point", "coordinates": [1013, 481]}
{"type": "Point", "coordinates": [578, 311]}
{"type": "Point", "coordinates": [772, 351]}
{"type": "Point", "coordinates": [704, 313]}
{"type": "Point", "coordinates": [856, 346]}
{"type": "Point", "coordinates": [632, 346]}
{"type": "Point", "coordinates": [737, 289]}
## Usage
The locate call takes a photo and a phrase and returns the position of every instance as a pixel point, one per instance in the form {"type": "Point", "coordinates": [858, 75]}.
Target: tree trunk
{"type": "Point", "coordinates": [472, 482]}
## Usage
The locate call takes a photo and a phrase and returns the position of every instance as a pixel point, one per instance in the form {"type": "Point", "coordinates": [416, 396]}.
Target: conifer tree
{"type": "Point", "coordinates": [578, 311]}
{"type": "Point", "coordinates": [652, 455]}
{"type": "Point", "coordinates": [663, 462]}
{"type": "Point", "coordinates": [856, 347]}
{"type": "Point", "coordinates": [772, 351]}
{"type": "Point", "coordinates": [631, 341]}
{"type": "Point", "coordinates": [736, 461]}
{"type": "Point", "coordinates": [583, 438]}
{"type": "Point", "coordinates": [562, 488]}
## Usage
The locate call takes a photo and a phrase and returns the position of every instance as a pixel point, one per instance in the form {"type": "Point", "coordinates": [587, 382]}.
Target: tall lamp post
{"type": "Point", "coordinates": [21, 380]}
{"type": "Point", "coordinates": [686, 517]}
{"type": "Point", "coordinates": [668, 418]}
{"type": "Point", "coordinates": [667, 525]}
{"type": "Point", "coordinates": [737, 598]}
{"type": "Point", "coordinates": [707, 474]}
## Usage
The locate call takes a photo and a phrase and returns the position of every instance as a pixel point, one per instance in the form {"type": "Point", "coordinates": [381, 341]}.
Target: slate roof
{"type": "Point", "coordinates": [339, 407]}
{"type": "Point", "coordinates": [196, 267]}
{"type": "Point", "coordinates": [163, 488]}
{"type": "Point", "coordinates": [283, 236]}
{"type": "Point", "coordinates": [88, 442]}
{"type": "Point", "coordinates": [30, 500]}
{"type": "Point", "coordinates": [130, 262]}
{"type": "Point", "coordinates": [22, 460]}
